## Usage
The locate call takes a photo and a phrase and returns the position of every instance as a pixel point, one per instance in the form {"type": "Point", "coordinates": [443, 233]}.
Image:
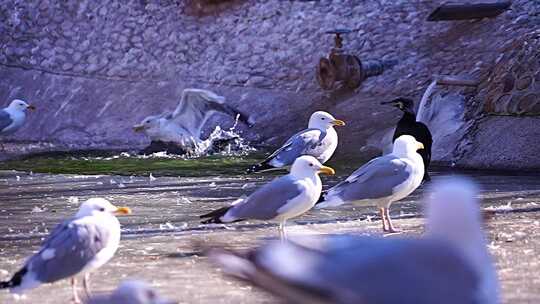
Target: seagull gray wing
{"type": "Point", "coordinates": [375, 179]}
{"type": "Point", "coordinates": [364, 270]}
{"type": "Point", "coordinates": [5, 119]}
{"type": "Point", "coordinates": [265, 203]}
{"type": "Point", "coordinates": [67, 251]}
{"type": "Point", "coordinates": [299, 144]}
{"type": "Point", "coordinates": [197, 105]}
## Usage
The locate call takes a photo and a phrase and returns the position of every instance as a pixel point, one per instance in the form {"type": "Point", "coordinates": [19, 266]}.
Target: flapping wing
{"type": "Point", "coordinates": [265, 203]}
{"type": "Point", "coordinates": [197, 105]}
{"type": "Point", "coordinates": [376, 179]}
{"type": "Point", "coordinates": [67, 251]}
{"type": "Point", "coordinates": [299, 144]}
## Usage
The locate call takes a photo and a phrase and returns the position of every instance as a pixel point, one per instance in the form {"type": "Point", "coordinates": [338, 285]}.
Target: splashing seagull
{"type": "Point", "coordinates": [13, 116]}
{"type": "Point", "coordinates": [382, 180]}
{"type": "Point", "coordinates": [184, 125]}
{"type": "Point", "coordinates": [318, 140]}
{"type": "Point", "coordinates": [131, 292]}
{"type": "Point", "coordinates": [450, 264]}
{"type": "Point", "coordinates": [77, 246]}
{"type": "Point", "coordinates": [285, 197]}
{"type": "Point", "coordinates": [408, 125]}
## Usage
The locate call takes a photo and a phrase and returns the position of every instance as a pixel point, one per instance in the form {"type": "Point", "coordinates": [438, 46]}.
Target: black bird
{"type": "Point", "coordinates": [408, 125]}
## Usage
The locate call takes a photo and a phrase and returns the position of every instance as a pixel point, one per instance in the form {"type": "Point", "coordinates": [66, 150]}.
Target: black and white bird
{"type": "Point", "coordinates": [408, 125]}
{"type": "Point", "coordinates": [77, 246]}
{"type": "Point", "coordinates": [183, 126]}
{"type": "Point", "coordinates": [283, 198]}
{"type": "Point", "coordinates": [381, 181]}
{"type": "Point", "coordinates": [450, 264]}
{"type": "Point", "coordinates": [12, 117]}
{"type": "Point", "coordinates": [131, 292]}
{"type": "Point", "coordinates": [319, 140]}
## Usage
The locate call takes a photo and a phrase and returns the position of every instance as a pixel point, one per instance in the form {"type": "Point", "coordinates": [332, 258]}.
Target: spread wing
{"type": "Point", "coordinates": [296, 146]}
{"type": "Point", "coordinates": [197, 105]}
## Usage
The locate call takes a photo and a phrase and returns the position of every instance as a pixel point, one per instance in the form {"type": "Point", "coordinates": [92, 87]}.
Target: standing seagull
{"type": "Point", "coordinates": [184, 125]}
{"type": "Point", "coordinates": [76, 246]}
{"type": "Point", "coordinates": [12, 118]}
{"type": "Point", "coordinates": [283, 198]}
{"type": "Point", "coordinates": [131, 292]}
{"type": "Point", "coordinates": [382, 180]}
{"type": "Point", "coordinates": [318, 140]}
{"type": "Point", "coordinates": [408, 125]}
{"type": "Point", "coordinates": [450, 265]}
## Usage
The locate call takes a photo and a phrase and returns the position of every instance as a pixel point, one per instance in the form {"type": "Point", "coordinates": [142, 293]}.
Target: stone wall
{"type": "Point", "coordinates": [122, 60]}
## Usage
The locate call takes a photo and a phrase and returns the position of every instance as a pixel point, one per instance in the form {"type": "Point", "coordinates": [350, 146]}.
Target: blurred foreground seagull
{"type": "Point", "coordinates": [13, 116]}
{"type": "Point", "coordinates": [450, 265]}
{"type": "Point", "coordinates": [318, 140]}
{"type": "Point", "coordinates": [76, 246]}
{"type": "Point", "coordinates": [408, 125]}
{"type": "Point", "coordinates": [382, 180]}
{"type": "Point", "coordinates": [184, 125]}
{"type": "Point", "coordinates": [131, 292]}
{"type": "Point", "coordinates": [283, 198]}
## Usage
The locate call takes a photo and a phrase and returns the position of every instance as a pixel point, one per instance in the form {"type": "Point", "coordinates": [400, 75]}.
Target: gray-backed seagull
{"type": "Point", "coordinates": [77, 246]}
{"type": "Point", "coordinates": [318, 140]}
{"type": "Point", "coordinates": [382, 180]}
{"type": "Point", "coordinates": [13, 116]}
{"type": "Point", "coordinates": [450, 264]}
{"type": "Point", "coordinates": [184, 125]}
{"type": "Point", "coordinates": [283, 198]}
{"type": "Point", "coordinates": [131, 292]}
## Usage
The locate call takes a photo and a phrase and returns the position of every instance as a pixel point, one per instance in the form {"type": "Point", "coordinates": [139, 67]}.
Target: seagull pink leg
{"type": "Point", "coordinates": [86, 285]}
{"type": "Point", "coordinates": [383, 219]}
{"type": "Point", "coordinates": [390, 225]}
{"type": "Point", "coordinates": [75, 299]}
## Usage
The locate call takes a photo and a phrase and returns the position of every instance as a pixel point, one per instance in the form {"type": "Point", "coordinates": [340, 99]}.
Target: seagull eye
{"type": "Point", "coordinates": [323, 118]}
{"type": "Point", "coordinates": [311, 165]}
{"type": "Point", "coordinates": [101, 209]}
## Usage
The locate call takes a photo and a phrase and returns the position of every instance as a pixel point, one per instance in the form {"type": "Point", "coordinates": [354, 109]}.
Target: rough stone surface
{"type": "Point", "coordinates": [75, 59]}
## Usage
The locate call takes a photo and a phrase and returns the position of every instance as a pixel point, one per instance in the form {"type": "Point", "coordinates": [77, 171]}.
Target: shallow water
{"type": "Point", "coordinates": [159, 237]}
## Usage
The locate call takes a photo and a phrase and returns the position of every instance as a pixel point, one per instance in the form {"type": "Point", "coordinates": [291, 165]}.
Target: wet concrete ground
{"type": "Point", "coordinates": [158, 238]}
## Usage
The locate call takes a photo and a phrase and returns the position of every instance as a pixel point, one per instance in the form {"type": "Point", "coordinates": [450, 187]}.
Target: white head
{"type": "Point", "coordinates": [137, 292]}
{"type": "Point", "coordinates": [98, 205]}
{"type": "Point", "coordinates": [323, 120]}
{"type": "Point", "coordinates": [453, 215]}
{"type": "Point", "coordinates": [306, 166]}
{"type": "Point", "coordinates": [20, 105]}
{"type": "Point", "coordinates": [405, 145]}
{"type": "Point", "coordinates": [150, 125]}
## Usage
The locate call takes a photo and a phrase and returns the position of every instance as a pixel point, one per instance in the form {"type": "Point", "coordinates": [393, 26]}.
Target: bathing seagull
{"type": "Point", "coordinates": [318, 140]}
{"type": "Point", "coordinates": [382, 180]}
{"type": "Point", "coordinates": [131, 292]}
{"type": "Point", "coordinates": [283, 198]}
{"type": "Point", "coordinates": [184, 125]}
{"type": "Point", "coordinates": [77, 246]}
{"type": "Point", "coordinates": [449, 265]}
{"type": "Point", "coordinates": [408, 125]}
{"type": "Point", "coordinates": [13, 116]}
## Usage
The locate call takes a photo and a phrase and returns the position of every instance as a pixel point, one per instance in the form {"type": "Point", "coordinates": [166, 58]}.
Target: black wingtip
{"type": "Point", "coordinates": [259, 168]}
{"type": "Point", "coordinates": [15, 281]}
{"type": "Point", "coordinates": [214, 217]}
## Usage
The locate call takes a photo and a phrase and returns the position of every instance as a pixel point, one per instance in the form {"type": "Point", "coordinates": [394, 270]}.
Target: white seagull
{"type": "Point", "coordinates": [382, 180]}
{"type": "Point", "coordinates": [77, 246]}
{"type": "Point", "coordinates": [449, 265]}
{"type": "Point", "coordinates": [283, 198]}
{"type": "Point", "coordinates": [131, 292]}
{"type": "Point", "coordinates": [319, 140]}
{"type": "Point", "coordinates": [184, 125]}
{"type": "Point", "coordinates": [13, 116]}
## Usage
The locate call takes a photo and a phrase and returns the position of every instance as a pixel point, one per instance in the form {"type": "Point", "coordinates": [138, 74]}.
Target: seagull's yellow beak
{"type": "Point", "coordinates": [337, 122]}
{"type": "Point", "coordinates": [138, 128]}
{"type": "Point", "coordinates": [30, 107]}
{"type": "Point", "coordinates": [419, 146]}
{"type": "Point", "coordinates": [122, 211]}
{"type": "Point", "coordinates": [327, 170]}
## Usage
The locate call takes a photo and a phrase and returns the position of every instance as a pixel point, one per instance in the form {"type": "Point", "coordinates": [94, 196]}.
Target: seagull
{"type": "Point", "coordinates": [283, 198]}
{"type": "Point", "coordinates": [383, 180]}
{"type": "Point", "coordinates": [184, 125]}
{"type": "Point", "coordinates": [77, 246]}
{"type": "Point", "coordinates": [318, 140]}
{"type": "Point", "coordinates": [131, 292]}
{"type": "Point", "coordinates": [448, 265]}
{"type": "Point", "coordinates": [13, 116]}
{"type": "Point", "coordinates": [408, 125]}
